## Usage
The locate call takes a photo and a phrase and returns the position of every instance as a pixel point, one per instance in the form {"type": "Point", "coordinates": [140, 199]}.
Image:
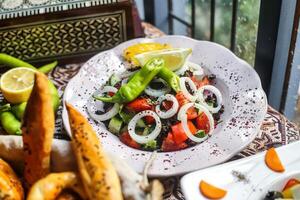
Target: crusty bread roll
{"type": "Point", "coordinates": [51, 186]}
{"type": "Point", "coordinates": [38, 130]}
{"type": "Point", "coordinates": [98, 175]}
{"type": "Point", "coordinates": [10, 186]}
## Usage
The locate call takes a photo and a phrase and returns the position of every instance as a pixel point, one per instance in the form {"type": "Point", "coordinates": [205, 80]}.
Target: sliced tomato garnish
{"type": "Point", "coordinates": [179, 134]}
{"type": "Point", "coordinates": [191, 112]}
{"type": "Point", "coordinates": [149, 119]}
{"type": "Point", "coordinates": [181, 99]}
{"type": "Point", "coordinates": [170, 145]}
{"type": "Point", "coordinates": [202, 82]}
{"type": "Point", "coordinates": [202, 123]}
{"type": "Point", "coordinates": [126, 139]}
{"type": "Point", "coordinates": [167, 105]}
{"type": "Point", "coordinates": [111, 94]}
{"type": "Point", "coordinates": [139, 104]}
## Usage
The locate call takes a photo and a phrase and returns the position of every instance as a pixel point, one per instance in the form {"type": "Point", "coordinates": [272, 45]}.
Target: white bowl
{"type": "Point", "coordinates": [244, 100]}
{"type": "Point", "coordinates": [260, 178]}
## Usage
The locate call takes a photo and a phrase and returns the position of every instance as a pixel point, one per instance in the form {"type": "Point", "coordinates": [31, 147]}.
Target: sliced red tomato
{"type": "Point", "coordinates": [167, 104]}
{"type": "Point", "coordinates": [202, 123]}
{"type": "Point", "coordinates": [111, 94]}
{"type": "Point", "coordinates": [191, 112]}
{"type": "Point", "coordinates": [149, 119]}
{"type": "Point", "coordinates": [139, 104]}
{"type": "Point", "coordinates": [202, 82]}
{"type": "Point", "coordinates": [126, 139]}
{"type": "Point", "coordinates": [181, 99]}
{"type": "Point", "coordinates": [291, 183]}
{"type": "Point", "coordinates": [179, 134]}
{"type": "Point", "coordinates": [170, 145]}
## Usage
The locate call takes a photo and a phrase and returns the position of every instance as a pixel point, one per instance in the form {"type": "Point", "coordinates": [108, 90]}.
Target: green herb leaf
{"type": "Point", "coordinates": [151, 145]}
{"type": "Point", "coordinates": [200, 134]}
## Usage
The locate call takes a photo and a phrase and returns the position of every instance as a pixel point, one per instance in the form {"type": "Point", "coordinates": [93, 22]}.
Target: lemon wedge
{"type": "Point", "coordinates": [16, 84]}
{"type": "Point", "coordinates": [135, 49]}
{"type": "Point", "coordinates": [174, 58]}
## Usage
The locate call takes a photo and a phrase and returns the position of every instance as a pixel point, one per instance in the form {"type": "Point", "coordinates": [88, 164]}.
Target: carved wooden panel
{"type": "Point", "coordinates": [66, 30]}
{"type": "Point", "coordinates": [69, 36]}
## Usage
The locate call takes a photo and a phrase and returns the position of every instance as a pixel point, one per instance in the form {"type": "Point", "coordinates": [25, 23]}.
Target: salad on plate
{"type": "Point", "coordinates": [161, 102]}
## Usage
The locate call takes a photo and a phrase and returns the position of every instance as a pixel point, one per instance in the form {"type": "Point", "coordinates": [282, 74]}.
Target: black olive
{"type": "Point", "coordinates": [212, 77]}
{"type": "Point", "coordinates": [273, 195]}
{"type": "Point", "coordinates": [118, 85]}
{"type": "Point", "coordinates": [188, 73]}
{"type": "Point", "coordinates": [107, 106]}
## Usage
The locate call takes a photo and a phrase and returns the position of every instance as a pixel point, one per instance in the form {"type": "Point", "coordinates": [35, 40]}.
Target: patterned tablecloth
{"type": "Point", "coordinates": [276, 130]}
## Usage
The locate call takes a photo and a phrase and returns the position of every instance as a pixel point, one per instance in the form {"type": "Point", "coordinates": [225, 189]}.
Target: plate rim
{"type": "Point", "coordinates": [241, 61]}
{"type": "Point", "coordinates": [238, 162]}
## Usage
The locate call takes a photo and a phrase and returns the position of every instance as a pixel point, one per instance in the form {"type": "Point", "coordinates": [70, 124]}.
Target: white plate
{"type": "Point", "coordinates": [260, 178]}
{"type": "Point", "coordinates": [245, 106]}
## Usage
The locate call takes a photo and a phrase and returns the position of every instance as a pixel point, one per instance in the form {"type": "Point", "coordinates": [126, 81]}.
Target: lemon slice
{"type": "Point", "coordinates": [174, 58]}
{"type": "Point", "coordinates": [16, 84]}
{"type": "Point", "coordinates": [135, 49]}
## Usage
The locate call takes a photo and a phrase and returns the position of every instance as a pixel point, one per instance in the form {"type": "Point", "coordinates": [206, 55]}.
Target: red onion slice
{"type": "Point", "coordinates": [92, 105]}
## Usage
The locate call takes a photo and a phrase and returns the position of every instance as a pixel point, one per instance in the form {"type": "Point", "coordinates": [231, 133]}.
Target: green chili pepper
{"type": "Point", "coordinates": [4, 107]}
{"type": "Point", "coordinates": [13, 62]}
{"type": "Point", "coordinates": [137, 83]}
{"type": "Point", "coordinates": [48, 67]}
{"type": "Point", "coordinates": [8, 121]}
{"type": "Point", "coordinates": [18, 110]}
{"type": "Point", "coordinates": [54, 95]}
{"type": "Point", "coordinates": [170, 77]}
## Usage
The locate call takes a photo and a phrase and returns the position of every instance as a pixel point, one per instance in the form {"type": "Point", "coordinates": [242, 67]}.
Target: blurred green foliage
{"type": "Point", "coordinates": [247, 24]}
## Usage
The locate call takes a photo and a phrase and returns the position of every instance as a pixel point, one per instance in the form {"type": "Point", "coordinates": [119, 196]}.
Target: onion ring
{"type": "Point", "coordinates": [183, 118]}
{"type": "Point", "coordinates": [185, 92]}
{"type": "Point", "coordinates": [140, 138]}
{"type": "Point", "coordinates": [195, 66]}
{"type": "Point", "coordinates": [197, 70]}
{"type": "Point", "coordinates": [124, 81]}
{"type": "Point", "coordinates": [216, 92]}
{"type": "Point", "coordinates": [189, 134]}
{"type": "Point", "coordinates": [169, 113]}
{"type": "Point", "coordinates": [92, 103]}
{"type": "Point", "coordinates": [209, 117]}
{"type": "Point", "coordinates": [183, 110]}
{"type": "Point", "coordinates": [157, 93]}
